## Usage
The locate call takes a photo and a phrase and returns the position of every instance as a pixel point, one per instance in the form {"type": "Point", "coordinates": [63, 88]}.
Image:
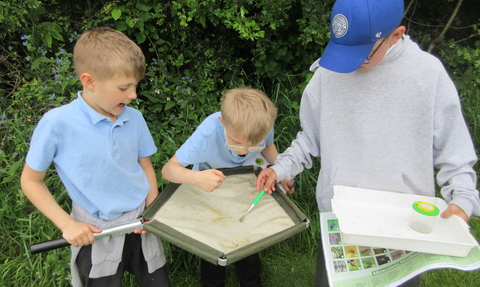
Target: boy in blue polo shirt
{"type": "Point", "coordinates": [101, 150]}
{"type": "Point", "coordinates": [381, 114]}
{"type": "Point", "coordinates": [227, 139]}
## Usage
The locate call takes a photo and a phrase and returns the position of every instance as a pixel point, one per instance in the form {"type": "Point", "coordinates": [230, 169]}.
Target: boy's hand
{"type": "Point", "coordinates": [209, 179]}
{"type": "Point", "coordinates": [80, 233]}
{"type": "Point", "coordinates": [454, 209]}
{"type": "Point", "coordinates": [266, 180]}
{"type": "Point", "coordinates": [141, 231]}
{"type": "Point", "coordinates": [286, 184]}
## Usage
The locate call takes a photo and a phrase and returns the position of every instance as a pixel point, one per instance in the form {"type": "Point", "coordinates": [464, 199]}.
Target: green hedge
{"type": "Point", "coordinates": [195, 50]}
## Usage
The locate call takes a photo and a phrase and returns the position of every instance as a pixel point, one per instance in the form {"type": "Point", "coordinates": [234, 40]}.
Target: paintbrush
{"type": "Point", "coordinates": [295, 181]}
{"type": "Point", "coordinates": [252, 205]}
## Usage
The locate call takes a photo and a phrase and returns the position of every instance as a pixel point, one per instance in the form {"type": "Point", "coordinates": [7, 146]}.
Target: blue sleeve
{"type": "Point", "coordinates": [43, 146]}
{"type": "Point", "coordinates": [196, 149]}
{"type": "Point", "coordinates": [146, 145]}
{"type": "Point", "coordinates": [270, 137]}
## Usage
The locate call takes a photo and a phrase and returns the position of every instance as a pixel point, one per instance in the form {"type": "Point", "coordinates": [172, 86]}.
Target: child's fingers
{"type": "Point", "coordinates": [139, 231]}
{"type": "Point", "coordinates": [288, 186]}
{"type": "Point", "coordinates": [95, 229]}
{"type": "Point", "coordinates": [260, 183]}
{"type": "Point", "coordinates": [266, 180]}
{"type": "Point", "coordinates": [80, 233]}
{"type": "Point", "coordinates": [454, 209]}
{"type": "Point", "coordinates": [219, 173]}
{"type": "Point", "coordinates": [270, 184]}
{"type": "Point", "coordinates": [272, 187]}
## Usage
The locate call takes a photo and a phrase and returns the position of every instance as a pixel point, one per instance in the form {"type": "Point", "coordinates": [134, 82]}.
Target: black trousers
{"type": "Point", "coordinates": [132, 261]}
{"type": "Point", "coordinates": [248, 272]}
{"type": "Point", "coordinates": [321, 279]}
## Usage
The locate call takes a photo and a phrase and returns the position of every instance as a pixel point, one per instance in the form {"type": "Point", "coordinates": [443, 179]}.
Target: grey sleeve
{"type": "Point", "coordinates": [453, 150]}
{"type": "Point", "coordinates": [307, 144]}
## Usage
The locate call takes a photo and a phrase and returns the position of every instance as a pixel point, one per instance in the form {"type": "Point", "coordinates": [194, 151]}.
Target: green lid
{"type": "Point", "coordinates": [425, 208]}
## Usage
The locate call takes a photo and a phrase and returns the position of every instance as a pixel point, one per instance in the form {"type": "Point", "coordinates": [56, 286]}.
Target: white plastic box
{"type": "Point", "coordinates": [381, 219]}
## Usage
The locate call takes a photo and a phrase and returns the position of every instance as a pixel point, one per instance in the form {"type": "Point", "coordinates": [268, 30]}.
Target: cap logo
{"type": "Point", "coordinates": [378, 35]}
{"type": "Point", "coordinates": [339, 25]}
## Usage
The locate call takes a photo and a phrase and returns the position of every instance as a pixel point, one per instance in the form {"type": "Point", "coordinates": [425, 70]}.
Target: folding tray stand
{"type": "Point", "coordinates": [176, 236]}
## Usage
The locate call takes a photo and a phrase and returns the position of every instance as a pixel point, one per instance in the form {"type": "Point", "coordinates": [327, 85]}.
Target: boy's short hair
{"type": "Point", "coordinates": [248, 111]}
{"type": "Point", "coordinates": [104, 51]}
{"type": "Point", "coordinates": [355, 26]}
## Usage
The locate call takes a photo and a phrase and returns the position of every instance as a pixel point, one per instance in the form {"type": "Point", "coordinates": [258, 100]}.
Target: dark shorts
{"type": "Point", "coordinates": [248, 272]}
{"type": "Point", "coordinates": [132, 261]}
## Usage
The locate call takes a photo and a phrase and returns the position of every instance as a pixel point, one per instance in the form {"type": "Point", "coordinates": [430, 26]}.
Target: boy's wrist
{"type": "Point", "coordinates": [194, 175]}
{"type": "Point", "coordinates": [64, 222]}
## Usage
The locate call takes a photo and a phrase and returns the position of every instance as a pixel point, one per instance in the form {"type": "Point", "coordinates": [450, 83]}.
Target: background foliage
{"type": "Point", "coordinates": [195, 50]}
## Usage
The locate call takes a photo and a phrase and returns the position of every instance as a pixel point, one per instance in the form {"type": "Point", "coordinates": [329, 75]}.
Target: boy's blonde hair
{"type": "Point", "coordinates": [248, 111]}
{"type": "Point", "coordinates": [103, 52]}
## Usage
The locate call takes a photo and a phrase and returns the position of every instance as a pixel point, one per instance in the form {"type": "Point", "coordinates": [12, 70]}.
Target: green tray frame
{"type": "Point", "coordinates": [213, 255]}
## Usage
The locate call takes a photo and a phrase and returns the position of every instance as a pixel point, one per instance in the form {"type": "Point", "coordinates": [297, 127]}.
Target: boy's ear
{"type": "Point", "coordinates": [396, 35]}
{"type": "Point", "coordinates": [88, 81]}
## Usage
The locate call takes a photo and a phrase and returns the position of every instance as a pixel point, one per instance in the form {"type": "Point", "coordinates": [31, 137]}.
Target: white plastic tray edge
{"type": "Point", "coordinates": [425, 245]}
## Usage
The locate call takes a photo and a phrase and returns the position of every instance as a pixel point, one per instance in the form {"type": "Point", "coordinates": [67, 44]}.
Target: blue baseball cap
{"type": "Point", "coordinates": [355, 26]}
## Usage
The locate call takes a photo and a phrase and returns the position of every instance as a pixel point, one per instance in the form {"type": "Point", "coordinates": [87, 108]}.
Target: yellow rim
{"type": "Point", "coordinates": [426, 208]}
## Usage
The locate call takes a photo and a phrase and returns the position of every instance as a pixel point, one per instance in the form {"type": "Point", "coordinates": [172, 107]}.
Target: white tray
{"type": "Point", "coordinates": [381, 219]}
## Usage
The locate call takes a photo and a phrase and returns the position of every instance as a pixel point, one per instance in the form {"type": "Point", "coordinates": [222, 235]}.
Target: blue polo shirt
{"type": "Point", "coordinates": [97, 160]}
{"type": "Point", "coordinates": [206, 147]}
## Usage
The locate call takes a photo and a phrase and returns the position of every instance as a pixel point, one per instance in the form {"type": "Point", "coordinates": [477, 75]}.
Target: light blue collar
{"type": "Point", "coordinates": [95, 117]}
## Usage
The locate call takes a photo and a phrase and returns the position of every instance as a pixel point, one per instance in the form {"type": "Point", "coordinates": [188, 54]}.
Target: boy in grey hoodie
{"type": "Point", "coordinates": [381, 114]}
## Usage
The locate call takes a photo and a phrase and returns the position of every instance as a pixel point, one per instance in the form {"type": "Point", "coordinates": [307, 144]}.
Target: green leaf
{"type": "Point", "coordinates": [38, 61]}
{"type": "Point", "coordinates": [203, 21]}
{"type": "Point", "coordinates": [121, 26]}
{"type": "Point", "coordinates": [153, 99]}
{"type": "Point", "coordinates": [169, 105]}
{"type": "Point", "coordinates": [158, 8]}
{"type": "Point", "coordinates": [56, 35]}
{"type": "Point", "coordinates": [143, 6]}
{"type": "Point", "coordinates": [48, 40]}
{"type": "Point", "coordinates": [9, 178]}
{"type": "Point", "coordinates": [116, 14]}
{"type": "Point", "coordinates": [64, 85]}
{"type": "Point", "coordinates": [144, 17]}
{"type": "Point", "coordinates": [131, 22]}
{"type": "Point", "coordinates": [141, 38]}
{"type": "Point", "coordinates": [57, 89]}
{"type": "Point", "coordinates": [295, 105]}
{"type": "Point", "coordinates": [53, 29]}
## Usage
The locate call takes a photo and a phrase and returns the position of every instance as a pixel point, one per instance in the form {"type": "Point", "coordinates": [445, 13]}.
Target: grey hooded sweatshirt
{"type": "Point", "coordinates": [389, 129]}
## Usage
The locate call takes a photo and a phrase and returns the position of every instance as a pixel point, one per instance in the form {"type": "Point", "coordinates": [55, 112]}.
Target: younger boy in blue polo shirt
{"type": "Point", "coordinates": [101, 150]}
{"type": "Point", "coordinates": [227, 139]}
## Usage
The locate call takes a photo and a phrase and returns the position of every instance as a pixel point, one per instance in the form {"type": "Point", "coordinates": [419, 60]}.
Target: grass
{"type": "Point", "coordinates": [290, 263]}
